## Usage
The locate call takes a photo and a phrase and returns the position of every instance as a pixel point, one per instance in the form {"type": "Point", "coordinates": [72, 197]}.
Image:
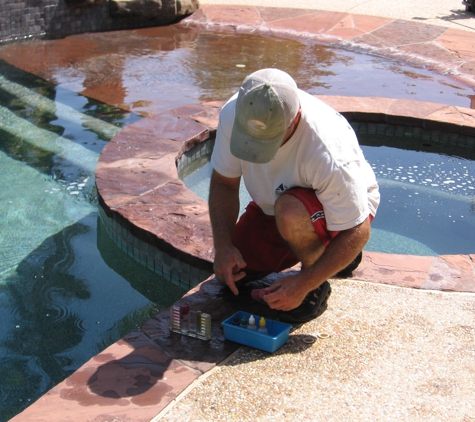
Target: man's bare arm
{"type": "Point", "coordinates": [288, 292]}
{"type": "Point", "coordinates": [224, 211]}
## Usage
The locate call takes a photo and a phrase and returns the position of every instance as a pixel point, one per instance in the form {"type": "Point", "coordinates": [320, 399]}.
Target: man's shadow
{"type": "Point", "coordinates": [152, 365]}
{"type": "Point", "coordinates": [456, 16]}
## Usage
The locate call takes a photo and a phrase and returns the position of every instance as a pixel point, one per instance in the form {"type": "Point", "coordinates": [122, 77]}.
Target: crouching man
{"type": "Point", "coordinates": [313, 194]}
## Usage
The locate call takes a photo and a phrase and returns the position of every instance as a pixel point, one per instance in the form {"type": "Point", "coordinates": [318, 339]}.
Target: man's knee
{"type": "Point", "coordinates": [291, 216]}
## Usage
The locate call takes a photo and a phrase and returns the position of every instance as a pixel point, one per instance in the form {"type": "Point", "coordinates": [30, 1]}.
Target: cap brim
{"type": "Point", "coordinates": [254, 150]}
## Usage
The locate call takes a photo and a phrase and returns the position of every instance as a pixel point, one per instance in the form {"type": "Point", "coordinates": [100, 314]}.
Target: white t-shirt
{"type": "Point", "coordinates": [323, 154]}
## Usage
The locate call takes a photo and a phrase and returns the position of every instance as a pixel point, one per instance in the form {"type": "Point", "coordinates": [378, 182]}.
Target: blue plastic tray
{"type": "Point", "coordinates": [278, 333]}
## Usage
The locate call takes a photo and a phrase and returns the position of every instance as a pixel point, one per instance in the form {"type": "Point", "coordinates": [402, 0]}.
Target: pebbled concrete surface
{"type": "Point", "coordinates": [394, 354]}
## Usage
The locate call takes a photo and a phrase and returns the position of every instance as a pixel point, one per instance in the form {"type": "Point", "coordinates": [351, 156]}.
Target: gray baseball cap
{"type": "Point", "coordinates": [266, 105]}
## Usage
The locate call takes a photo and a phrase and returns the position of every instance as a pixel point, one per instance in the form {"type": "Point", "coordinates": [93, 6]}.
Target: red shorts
{"type": "Point", "coordinates": [261, 246]}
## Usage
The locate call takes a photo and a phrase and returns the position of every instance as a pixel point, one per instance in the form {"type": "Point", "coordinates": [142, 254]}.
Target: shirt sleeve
{"type": "Point", "coordinates": [222, 160]}
{"type": "Point", "coordinates": [344, 197]}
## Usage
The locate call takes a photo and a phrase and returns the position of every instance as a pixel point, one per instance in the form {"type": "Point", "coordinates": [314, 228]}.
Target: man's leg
{"type": "Point", "coordinates": [261, 246]}
{"type": "Point", "coordinates": [301, 222]}
{"type": "Point", "coordinates": [296, 228]}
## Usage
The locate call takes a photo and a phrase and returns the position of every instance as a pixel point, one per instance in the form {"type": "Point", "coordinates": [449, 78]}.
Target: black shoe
{"type": "Point", "coordinates": [314, 304]}
{"type": "Point", "coordinates": [252, 276]}
{"type": "Point", "coordinates": [245, 286]}
{"type": "Point", "coordinates": [348, 271]}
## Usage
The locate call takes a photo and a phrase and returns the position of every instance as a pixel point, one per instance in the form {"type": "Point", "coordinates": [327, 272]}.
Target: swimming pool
{"type": "Point", "coordinates": [57, 264]}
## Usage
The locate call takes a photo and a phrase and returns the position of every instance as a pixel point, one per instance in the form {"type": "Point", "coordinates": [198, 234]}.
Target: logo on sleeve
{"type": "Point", "coordinates": [280, 189]}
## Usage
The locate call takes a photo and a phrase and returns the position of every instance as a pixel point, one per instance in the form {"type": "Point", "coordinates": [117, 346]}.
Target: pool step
{"type": "Point", "coordinates": [28, 96]}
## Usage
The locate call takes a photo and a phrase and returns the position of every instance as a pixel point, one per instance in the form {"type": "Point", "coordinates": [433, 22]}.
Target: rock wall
{"type": "Point", "coordinates": [26, 19]}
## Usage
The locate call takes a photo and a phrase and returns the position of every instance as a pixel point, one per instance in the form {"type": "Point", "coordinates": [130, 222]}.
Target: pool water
{"type": "Point", "coordinates": [66, 291]}
{"type": "Point", "coordinates": [427, 201]}
{"type": "Point", "coordinates": [157, 69]}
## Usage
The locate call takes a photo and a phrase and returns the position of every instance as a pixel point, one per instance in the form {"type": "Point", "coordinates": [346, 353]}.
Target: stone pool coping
{"type": "Point", "coordinates": [138, 376]}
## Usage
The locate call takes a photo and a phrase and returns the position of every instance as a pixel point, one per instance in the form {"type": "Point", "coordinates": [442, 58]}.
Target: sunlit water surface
{"type": "Point", "coordinates": [157, 69]}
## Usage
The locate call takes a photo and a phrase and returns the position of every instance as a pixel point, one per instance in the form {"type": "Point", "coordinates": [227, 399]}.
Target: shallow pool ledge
{"type": "Point", "coordinates": [138, 185]}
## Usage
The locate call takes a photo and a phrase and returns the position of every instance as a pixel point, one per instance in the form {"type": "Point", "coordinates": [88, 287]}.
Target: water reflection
{"type": "Point", "coordinates": [156, 69]}
{"type": "Point", "coordinates": [214, 64]}
{"type": "Point", "coordinates": [62, 305]}
{"type": "Point", "coordinates": [41, 326]}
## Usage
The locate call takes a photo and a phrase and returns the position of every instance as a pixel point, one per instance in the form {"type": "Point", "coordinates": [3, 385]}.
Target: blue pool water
{"type": "Point", "coordinates": [427, 201]}
{"type": "Point", "coordinates": [66, 291]}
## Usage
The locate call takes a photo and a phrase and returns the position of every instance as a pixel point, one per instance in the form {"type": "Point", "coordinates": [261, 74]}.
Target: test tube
{"type": "Point", "coordinates": [205, 327]}
{"type": "Point", "coordinates": [175, 318]}
{"type": "Point", "coordinates": [185, 317]}
{"type": "Point", "coordinates": [193, 324]}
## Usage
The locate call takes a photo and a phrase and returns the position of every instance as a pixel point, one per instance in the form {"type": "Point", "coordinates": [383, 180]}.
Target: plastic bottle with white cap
{"type": "Point", "coordinates": [252, 323]}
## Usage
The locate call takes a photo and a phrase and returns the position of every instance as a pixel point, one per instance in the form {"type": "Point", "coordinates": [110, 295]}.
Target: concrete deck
{"type": "Point", "coordinates": [447, 13]}
{"type": "Point", "coordinates": [401, 330]}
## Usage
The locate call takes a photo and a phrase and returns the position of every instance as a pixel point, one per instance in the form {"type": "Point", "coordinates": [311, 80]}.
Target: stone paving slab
{"type": "Point", "coordinates": [128, 381]}
{"type": "Point", "coordinates": [448, 13]}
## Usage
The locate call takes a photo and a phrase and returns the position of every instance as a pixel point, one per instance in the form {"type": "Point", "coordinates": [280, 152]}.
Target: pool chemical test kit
{"type": "Point", "coordinates": [191, 323]}
{"type": "Point", "coordinates": [267, 335]}
{"type": "Point", "coordinates": [243, 328]}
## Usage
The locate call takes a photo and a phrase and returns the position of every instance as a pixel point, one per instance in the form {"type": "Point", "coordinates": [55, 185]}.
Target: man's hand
{"type": "Point", "coordinates": [227, 267]}
{"type": "Point", "coordinates": [286, 293]}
